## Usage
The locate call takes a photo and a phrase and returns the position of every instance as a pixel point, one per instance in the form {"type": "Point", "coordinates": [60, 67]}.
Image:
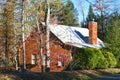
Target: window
{"type": "Point", "coordinates": [33, 58]}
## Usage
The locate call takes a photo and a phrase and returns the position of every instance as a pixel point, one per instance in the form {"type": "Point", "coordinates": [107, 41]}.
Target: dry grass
{"type": "Point", "coordinates": [8, 77]}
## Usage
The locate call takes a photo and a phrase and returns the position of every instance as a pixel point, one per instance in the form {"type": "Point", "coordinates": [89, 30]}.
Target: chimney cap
{"type": "Point", "coordinates": [93, 20]}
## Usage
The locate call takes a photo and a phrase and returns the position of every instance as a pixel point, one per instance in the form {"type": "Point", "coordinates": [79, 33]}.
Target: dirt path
{"type": "Point", "coordinates": [115, 77]}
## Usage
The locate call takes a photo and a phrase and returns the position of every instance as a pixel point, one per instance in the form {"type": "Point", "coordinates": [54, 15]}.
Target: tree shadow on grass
{"type": "Point", "coordinates": [42, 76]}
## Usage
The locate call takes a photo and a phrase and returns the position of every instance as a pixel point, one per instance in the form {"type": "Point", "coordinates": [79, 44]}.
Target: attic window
{"type": "Point", "coordinates": [34, 58]}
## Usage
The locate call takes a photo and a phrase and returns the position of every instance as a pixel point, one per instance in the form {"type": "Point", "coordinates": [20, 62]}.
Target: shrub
{"type": "Point", "coordinates": [114, 49]}
{"type": "Point", "coordinates": [89, 58]}
{"type": "Point", "coordinates": [102, 62]}
{"type": "Point", "coordinates": [110, 58]}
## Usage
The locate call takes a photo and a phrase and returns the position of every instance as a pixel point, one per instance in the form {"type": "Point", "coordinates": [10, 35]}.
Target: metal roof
{"type": "Point", "coordinates": [75, 36]}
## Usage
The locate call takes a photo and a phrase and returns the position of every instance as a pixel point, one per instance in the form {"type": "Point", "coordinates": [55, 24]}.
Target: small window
{"type": "Point", "coordinates": [33, 58]}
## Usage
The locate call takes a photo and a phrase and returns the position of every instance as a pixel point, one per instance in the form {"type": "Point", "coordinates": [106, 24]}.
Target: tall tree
{"type": "Point", "coordinates": [47, 36]}
{"type": "Point", "coordinates": [112, 37]}
{"type": "Point", "coordinates": [102, 9]}
{"type": "Point", "coordinates": [23, 34]}
{"type": "Point", "coordinates": [60, 12]}
{"type": "Point", "coordinates": [9, 32]}
{"type": "Point", "coordinates": [91, 16]}
{"type": "Point", "coordinates": [2, 49]}
{"type": "Point", "coordinates": [56, 7]}
{"type": "Point", "coordinates": [9, 28]}
{"type": "Point", "coordinates": [69, 15]}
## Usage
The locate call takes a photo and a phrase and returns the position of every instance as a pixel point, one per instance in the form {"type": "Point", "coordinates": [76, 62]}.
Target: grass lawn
{"type": "Point", "coordinates": [65, 75]}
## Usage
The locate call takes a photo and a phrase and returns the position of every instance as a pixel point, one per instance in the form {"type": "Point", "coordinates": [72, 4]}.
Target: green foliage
{"type": "Point", "coordinates": [115, 51]}
{"type": "Point", "coordinates": [110, 58]}
{"type": "Point", "coordinates": [113, 38]}
{"type": "Point", "coordinates": [63, 13]}
{"type": "Point", "coordinates": [89, 17]}
{"type": "Point", "coordinates": [89, 58]}
{"type": "Point", "coordinates": [69, 15]}
{"type": "Point", "coordinates": [91, 14]}
{"type": "Point", "coordinates": [101, 60]}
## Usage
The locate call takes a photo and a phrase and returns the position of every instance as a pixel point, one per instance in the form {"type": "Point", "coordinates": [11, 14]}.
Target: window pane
{"type": "Point", "coordinates": [33, 58]}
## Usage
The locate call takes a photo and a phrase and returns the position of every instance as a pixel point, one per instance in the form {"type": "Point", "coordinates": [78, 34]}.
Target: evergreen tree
{"type": "Point", "coordinates": [69, 15]}
{"type": "Point", "coordinates": [112, 36]}
{"type": "Point", "coordinates": [102, 8]}
{"type": "Point", "coordinates": [91, 16]}
{"type": "Point", "coordinates": [61, 13]}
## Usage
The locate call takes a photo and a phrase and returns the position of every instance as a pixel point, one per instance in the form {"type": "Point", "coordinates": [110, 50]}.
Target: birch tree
{"type": "Point", "coordinates": [23, 34]}
{"type": "Point", "coordinates": [38, 21]}
{"type": "Point", "coordinates": [47, 37]}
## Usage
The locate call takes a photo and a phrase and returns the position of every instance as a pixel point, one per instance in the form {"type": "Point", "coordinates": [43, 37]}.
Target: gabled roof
{"type": "Point", "coordinates": [75, 36]}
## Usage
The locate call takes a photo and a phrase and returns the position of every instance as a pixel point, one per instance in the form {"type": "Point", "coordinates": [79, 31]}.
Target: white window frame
{"type": "Point", "coordinates": [34, 59]}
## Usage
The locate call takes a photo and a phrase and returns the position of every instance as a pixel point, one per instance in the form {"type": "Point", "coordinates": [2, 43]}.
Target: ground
{"type": "Point", "coordinates": [65, 75]}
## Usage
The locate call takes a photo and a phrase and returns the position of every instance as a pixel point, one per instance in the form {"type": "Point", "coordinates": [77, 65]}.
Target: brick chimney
{"type": "Point", "coordinates": [92, 32]}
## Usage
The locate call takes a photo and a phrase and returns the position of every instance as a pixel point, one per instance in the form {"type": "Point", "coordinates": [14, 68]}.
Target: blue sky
{"type": "Point", "coordinates": [85, 6]}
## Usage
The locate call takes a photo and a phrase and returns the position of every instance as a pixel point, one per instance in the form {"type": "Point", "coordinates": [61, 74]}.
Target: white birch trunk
{"type": "Point", "coordinates": [23, 36]}
{"type": "Point", "coordinates": [41, 57]}
{"type": "Point", "coordinates": [16, 52]}
{"type": "Point", "coordinates": [82, 11]}
{"type": "Point", "coordinates": [48, 36]}
{"type": "Point", "coordinates": [39, 40]}
{"type": "Point", "coordinates": [24, 52]}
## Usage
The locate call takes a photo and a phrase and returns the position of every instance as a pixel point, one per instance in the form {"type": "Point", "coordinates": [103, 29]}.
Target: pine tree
{"type": "Point", "coordinates": [112, 36]}
{"type": "Point", "coordinates": [91, 16]}
{"type": "Point", "coordinates": [102, 8]}
{"type": "Point", "coordinates": [69, 15]}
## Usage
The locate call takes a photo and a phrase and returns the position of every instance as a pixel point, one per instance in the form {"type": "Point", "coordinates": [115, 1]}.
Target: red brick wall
{"type": "Point", "coordinates": [33, 47]}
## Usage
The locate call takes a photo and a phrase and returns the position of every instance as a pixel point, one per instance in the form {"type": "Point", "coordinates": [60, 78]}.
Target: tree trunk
{"type": "Point", "coordinates": [6, 41]}
{"type": "Point", "coordinates": [40, 41]}
{"type": "Point", "coordinates": [83, 15]}
{"type": "Point", "coordinates": [47, 40]}
{"type": "Point", "coordinates": [23, 36]}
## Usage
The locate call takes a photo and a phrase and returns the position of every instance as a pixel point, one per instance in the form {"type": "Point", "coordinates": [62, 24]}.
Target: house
{"type": "Point", "coordinates": [64, 40]}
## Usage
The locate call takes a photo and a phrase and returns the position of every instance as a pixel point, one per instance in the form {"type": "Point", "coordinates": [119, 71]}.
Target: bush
{"type": "Point", "coordinates": [101, 60]}
{"type": "Point", "coordinates": [110, 58]}
{"type": "Point", "coordinates": [115, 51]}
{"type": "Point", "coordinates": [89, 58]}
